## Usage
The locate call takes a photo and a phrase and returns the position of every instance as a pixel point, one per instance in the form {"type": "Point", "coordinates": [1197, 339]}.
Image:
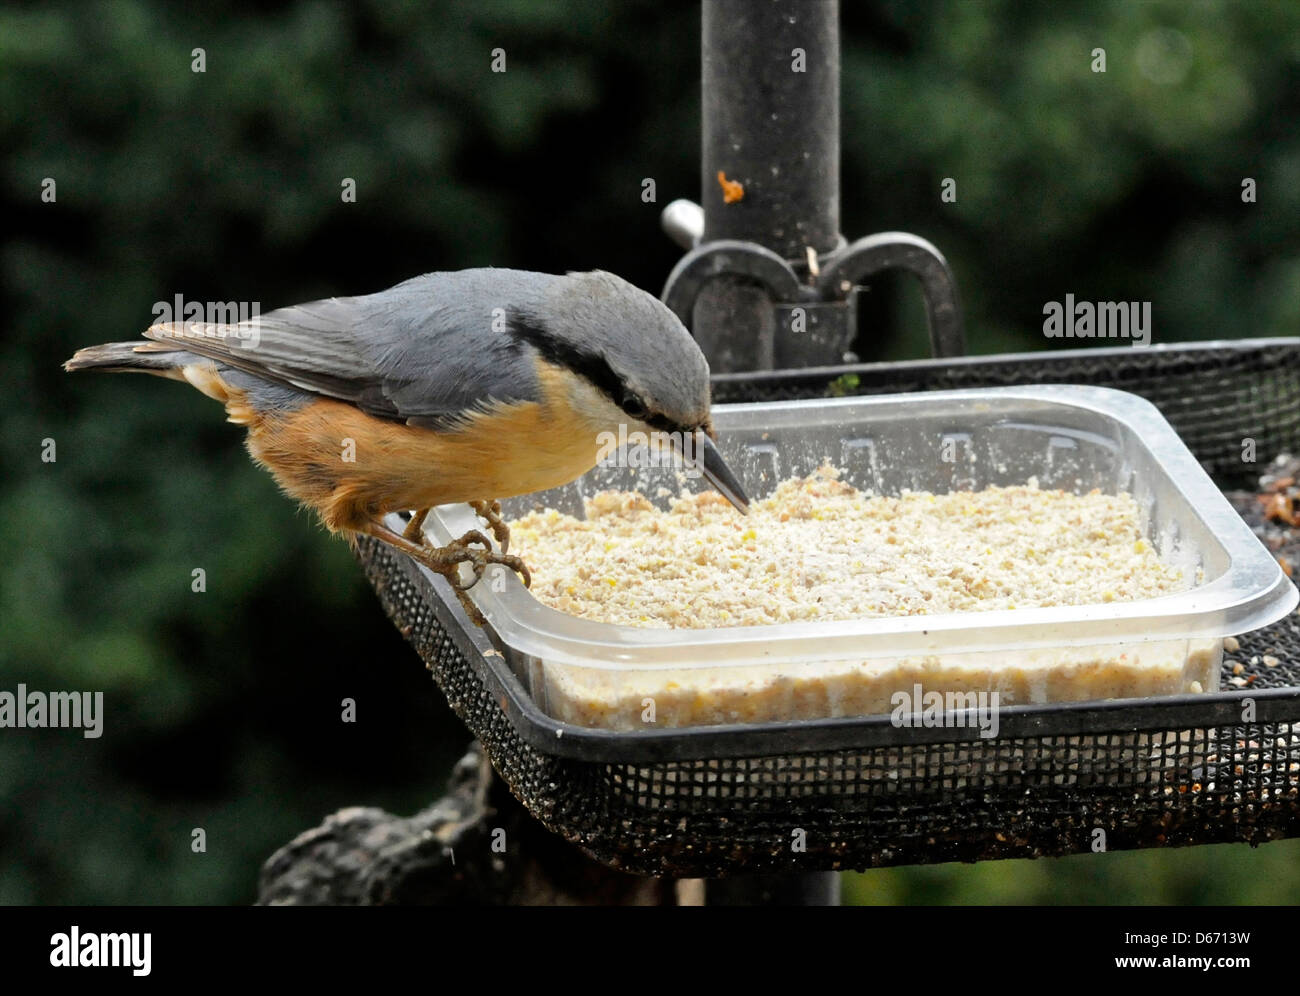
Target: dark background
{"type": "Point", "coordinates": [223, 707]}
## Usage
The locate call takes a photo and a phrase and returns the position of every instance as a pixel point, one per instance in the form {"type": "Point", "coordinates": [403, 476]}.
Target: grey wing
{"type": "Point", "coordinates": [425, 352]}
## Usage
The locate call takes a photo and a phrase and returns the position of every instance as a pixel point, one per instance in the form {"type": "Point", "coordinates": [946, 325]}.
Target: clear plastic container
{"type": "Point", "coordinates": [1071, 437]}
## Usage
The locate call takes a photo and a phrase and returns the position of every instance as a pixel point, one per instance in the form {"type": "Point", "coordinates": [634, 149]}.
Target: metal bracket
{"type": "Point", "coordinates": [732, 258]}
{"type": "Point", "coordinates": [839, 273]}
{"type": "Point", "coordinates": [903, 251]}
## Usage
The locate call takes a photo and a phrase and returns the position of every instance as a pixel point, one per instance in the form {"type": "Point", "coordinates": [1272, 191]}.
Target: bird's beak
{"type": "Point", "coordinates": [715, 470]}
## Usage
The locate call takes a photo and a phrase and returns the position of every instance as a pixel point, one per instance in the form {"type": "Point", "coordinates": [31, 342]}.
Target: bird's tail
{"type": "Point", "coordinates": [133, 357]}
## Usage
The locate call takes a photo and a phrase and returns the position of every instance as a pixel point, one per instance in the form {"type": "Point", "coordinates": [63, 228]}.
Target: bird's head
{"type": "Point", "coordinates": [633, 363]}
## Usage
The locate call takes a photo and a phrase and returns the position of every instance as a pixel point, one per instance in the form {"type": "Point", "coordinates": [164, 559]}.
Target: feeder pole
{"type": "Point", "coordinates": [771, 122]}
{"type": "Point", "coordinates": [768, 281]}
{"type": "Point", "coordinates": [771, 97]}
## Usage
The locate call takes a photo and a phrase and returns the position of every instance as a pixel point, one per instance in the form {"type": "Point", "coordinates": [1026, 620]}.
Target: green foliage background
{"type": "Point", "coordinates": [223, 707]}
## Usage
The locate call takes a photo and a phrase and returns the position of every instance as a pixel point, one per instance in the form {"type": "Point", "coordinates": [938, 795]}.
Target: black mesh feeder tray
{"type": "Point", "coordinates": [859, 791]}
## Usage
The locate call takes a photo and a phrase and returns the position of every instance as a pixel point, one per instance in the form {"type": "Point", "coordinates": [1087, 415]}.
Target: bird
{"type": "Point", "coordinates": [467, 386]}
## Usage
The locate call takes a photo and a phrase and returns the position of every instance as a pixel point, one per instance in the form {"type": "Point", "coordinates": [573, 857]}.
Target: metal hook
{"type": "Point", "coordinates": [901, 250]}
{"type": "Point", "coordinates": [732, 258]}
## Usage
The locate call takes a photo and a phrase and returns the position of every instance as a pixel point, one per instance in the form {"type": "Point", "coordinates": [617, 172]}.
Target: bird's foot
{"type": "Point", "coordinates": [414, 530]}
{"type": "Point", "coordinates": [480, 557]}
{"type": "Point", "coordinates": [474, 548]}
{"type": "Point", "coordinates": [490, 512]}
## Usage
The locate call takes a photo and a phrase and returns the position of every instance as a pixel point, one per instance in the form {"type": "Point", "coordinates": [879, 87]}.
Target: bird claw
{"type": "Point", "coordinates": [473, 548]}
{"type": "Point", "coordinates": [473, 536]}
{"type": "Point", "coordinates": [466, 550]}
{"type": "Point", "coordinates": [490, 511]}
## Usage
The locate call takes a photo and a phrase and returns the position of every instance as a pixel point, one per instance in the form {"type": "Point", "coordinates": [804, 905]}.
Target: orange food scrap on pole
{"type": "Point", "coordinates": [732, 190]}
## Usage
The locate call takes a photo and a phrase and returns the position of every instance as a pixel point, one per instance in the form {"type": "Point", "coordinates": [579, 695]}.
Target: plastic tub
{"type": "Point", "coordinates": [1070, 437]}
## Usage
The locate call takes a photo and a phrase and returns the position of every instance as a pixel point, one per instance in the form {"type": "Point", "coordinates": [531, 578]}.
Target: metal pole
{"type": "Point", "coordinates": [771, 105]}
{"type": "Point", "coordinates": [771, 96]}
{"type": "Point", "coordinates": [771, 101]}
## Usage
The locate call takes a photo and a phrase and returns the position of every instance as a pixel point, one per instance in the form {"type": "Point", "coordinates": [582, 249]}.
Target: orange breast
{"type": "Point", "coordinates": [352, 467]}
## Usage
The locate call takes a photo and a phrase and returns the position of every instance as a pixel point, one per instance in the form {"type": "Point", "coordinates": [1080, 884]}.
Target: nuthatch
{"type": "Point", "coordinates": [468, 386]}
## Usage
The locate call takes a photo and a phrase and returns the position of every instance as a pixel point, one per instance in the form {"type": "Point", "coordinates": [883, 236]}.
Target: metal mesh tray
{"type": "Point", "coordinates": [727, 800]}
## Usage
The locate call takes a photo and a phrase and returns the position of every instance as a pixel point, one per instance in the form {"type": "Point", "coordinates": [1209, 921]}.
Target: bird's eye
{"type": "Point", "coordinates": [633, 406]}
